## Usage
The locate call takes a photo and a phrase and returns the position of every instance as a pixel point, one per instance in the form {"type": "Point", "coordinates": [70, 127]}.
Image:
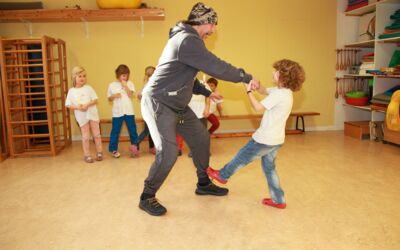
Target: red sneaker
{"type": "Point", "coordinates": [214, 174]}
{"type": "Point", "coordinates": [270, 202]}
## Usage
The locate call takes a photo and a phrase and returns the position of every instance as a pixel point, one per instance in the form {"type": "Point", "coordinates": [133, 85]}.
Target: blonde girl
{"type": "Point", "coordinates": [82, 99]}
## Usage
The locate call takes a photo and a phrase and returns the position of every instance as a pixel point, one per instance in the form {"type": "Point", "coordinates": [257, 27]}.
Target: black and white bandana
{"type": "Point", "coordinates": [202, 14]}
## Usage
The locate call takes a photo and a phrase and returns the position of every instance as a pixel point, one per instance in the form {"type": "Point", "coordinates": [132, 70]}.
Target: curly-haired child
{"type": "Point", "coordinates": [270, 136]}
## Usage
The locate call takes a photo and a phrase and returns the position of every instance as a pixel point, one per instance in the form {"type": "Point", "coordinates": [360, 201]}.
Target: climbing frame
{"type": "Point", "coordinates": [34, 86]}
{"type": "Point", "coordinates": [3, 134]}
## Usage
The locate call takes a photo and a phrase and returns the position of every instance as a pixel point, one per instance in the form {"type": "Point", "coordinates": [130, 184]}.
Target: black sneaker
{"type": "Point", "coordinates": [211, 189]}
{"type": "Point", "coordinates": [152, 206]}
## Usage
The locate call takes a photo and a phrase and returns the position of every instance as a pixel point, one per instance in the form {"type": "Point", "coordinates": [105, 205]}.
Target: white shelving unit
{"type": "Point", "coordinates": [363, 44]}
{"type": "Point", "coordinates": [382, 48]}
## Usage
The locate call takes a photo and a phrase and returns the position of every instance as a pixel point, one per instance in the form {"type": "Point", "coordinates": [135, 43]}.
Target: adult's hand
{"type": "Point", "coordinates": [254, 84]}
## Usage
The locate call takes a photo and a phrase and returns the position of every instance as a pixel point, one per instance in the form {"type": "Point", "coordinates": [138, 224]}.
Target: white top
{"type": "Point", "coordinates": [213, 104]}
{"type": "Point", "coordinates": [123, 105]}
{"type": "Point", "coordinates": [278, 105]}
{"type": "Point", "coordinates": [198, 105]}
{"type": "Point", "coordinates": [80, 96]}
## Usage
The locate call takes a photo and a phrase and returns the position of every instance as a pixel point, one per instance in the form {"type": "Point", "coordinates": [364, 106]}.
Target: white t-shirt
{"type": "Point", "coordinates": [198, 105]}
{"type": "Point", "coordinates": [278, 105]}
{"type": "Point", "coordinates": [123, 105]}
{"type": "Point", "coordinates": [213, 104]}
{"type": "Point", "coordinates": [80, 96]}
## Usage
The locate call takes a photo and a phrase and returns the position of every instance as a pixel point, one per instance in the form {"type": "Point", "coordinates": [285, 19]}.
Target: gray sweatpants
{"type": "Point", "coordinates": [163, 125]}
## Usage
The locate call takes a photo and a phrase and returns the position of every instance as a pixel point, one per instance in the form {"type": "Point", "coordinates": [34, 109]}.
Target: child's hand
{"type": "Point", "coordinates": [215, 96]}
{"type": "Point", "coordinates": [206, 113]}
{"type": "Point", "coordinates": [247, 86]}
{"type": "Point", "coordinates": [83, 107]}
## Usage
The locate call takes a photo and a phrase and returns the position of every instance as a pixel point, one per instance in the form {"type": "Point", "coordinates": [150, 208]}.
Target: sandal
{"type": "Point", "coordinates": [88, 159]}
{"type": "Point", "coordinates": [116, 154]}
{"type": "Point", "coordinates": [270, 202]}
{"type": "Point", "coordinates": [99, 156]}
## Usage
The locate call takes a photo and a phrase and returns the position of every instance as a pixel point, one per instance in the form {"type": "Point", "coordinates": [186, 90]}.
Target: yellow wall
{"type": "Point", "coordinates": [251, 34]}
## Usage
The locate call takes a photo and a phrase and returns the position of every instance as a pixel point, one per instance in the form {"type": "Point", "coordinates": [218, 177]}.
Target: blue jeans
{"type": "Point", "coordinates": [250, 152]}
{"type": "Point", "coordinates": [116, 130]}
{"type": "Point", "coordinates": [142, 135]}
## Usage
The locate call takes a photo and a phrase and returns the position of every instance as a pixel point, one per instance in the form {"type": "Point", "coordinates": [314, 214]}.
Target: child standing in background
{"type": "Point", "coordinates": [149, 70]}
{"type": "Point", "coordinates": [82, 99]}
{"type": "Point", "coordinates": [200, 105]}
{"type": "Point", "coordinates": [120, 93]}
{"type": "Point", "coordinates": [214, 106]}
{"type": "Point", "coordinates": [270, 136]}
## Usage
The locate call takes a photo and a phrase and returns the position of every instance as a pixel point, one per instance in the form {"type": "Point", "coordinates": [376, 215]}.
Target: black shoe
{"type": "Point", "coordinates": [211, 189]}
{"type": "Point", "coordinates": [152, 206]}
{"type": "Point", "coordinates": [179, 152]}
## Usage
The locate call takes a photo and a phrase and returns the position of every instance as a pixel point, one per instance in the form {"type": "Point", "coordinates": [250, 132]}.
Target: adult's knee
{"type": "Point", "coordinates": [169, 155]}
{"type": "Point", "coordinates": [204, 139]}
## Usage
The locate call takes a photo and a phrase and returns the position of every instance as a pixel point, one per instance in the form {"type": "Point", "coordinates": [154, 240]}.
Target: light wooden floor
{"type": "Point", "coordinates": [341, 193]}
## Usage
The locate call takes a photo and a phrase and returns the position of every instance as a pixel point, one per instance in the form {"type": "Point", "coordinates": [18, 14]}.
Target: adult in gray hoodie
{"type": "Point", "coordinates": [165, 101]}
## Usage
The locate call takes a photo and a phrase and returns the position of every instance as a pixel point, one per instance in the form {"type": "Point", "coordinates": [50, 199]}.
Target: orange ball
{"type": "Point", "coordinates": [118, 4]}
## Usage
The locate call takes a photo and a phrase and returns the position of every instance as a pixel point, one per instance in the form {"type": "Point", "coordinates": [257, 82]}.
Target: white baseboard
{"type": "Point", "coordinates": [76, 138]}
{"type": "Point", "coordinates": [324, 128]}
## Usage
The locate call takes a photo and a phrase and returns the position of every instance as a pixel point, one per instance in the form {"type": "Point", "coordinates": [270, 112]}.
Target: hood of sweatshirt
{"type": "Point", "coordinates": [180, 27]}
{"type": "Point", "coordinates": [183, 57]}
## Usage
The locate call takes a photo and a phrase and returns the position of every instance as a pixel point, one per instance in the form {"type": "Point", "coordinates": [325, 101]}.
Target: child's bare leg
{"type": "Point", "coordinates": [95, 127]}
{"type": "Point", "coordinates": [85, 131]}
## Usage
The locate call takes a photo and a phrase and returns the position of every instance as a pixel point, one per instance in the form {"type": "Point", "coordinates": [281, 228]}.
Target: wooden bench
{"type": "Point", "coordinates": [121, 138]}
{"type": "Point", "coordinates": [300, 117]}
{"type": "Point", "coordinates": [298, 130]}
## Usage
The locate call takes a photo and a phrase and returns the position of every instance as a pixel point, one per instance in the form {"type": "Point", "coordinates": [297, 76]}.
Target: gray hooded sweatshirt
{"type": "Point", "coordinates": [185, 54]}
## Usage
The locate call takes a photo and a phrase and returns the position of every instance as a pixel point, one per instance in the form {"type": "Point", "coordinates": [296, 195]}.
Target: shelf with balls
{"type": "Point", "coordinates": [116, 10]}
